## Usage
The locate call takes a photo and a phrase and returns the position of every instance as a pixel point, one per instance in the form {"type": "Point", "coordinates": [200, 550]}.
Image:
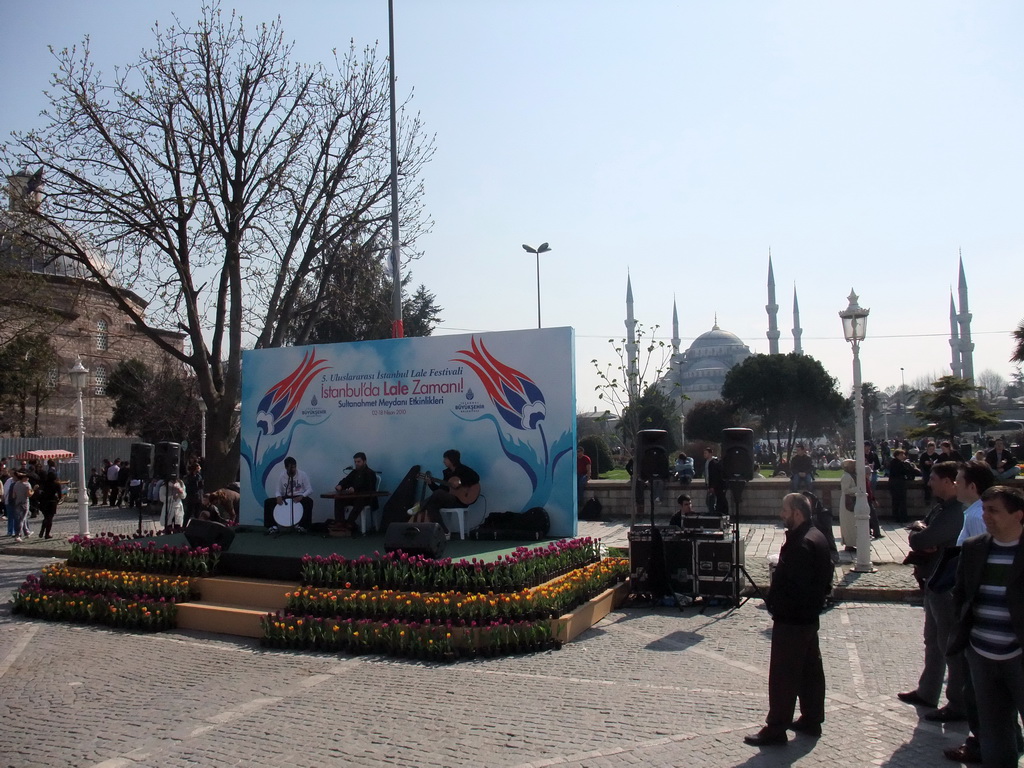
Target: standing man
{"type": "Point", "coordinates": [795, 599]}
{"type": "Point", "coordinates": [293, 484]}
{"type": "Point", "coordinates": [801, 470]}
{"type": "Point", "coordinates": [925, 463]}
{"type": "Point", "coordinates": [717, 503]}
{"type": "Point", "coordinates": [194, 490]}
{"type": "Point", "coordinates": [928, 540]}
{"type": "Point", "coordinates": [361, 479]}
{"type": "Point", "coordinates": [583, 468]}
{"type": "Point", "coordinates": [973, 479]}
{"type": "Point", "coordinates": [1002, 461]}
{"type": "Point", "coordinates": [900, 471]}
{"type": "Point", "coordinates": [989, 603]}
{"type": "Point", "coordinates": [112, 472]}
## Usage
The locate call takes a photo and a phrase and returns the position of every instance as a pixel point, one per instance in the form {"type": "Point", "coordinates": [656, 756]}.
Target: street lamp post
{"type": "Point", "coordinates": [855, 319]}
{"type": "Point", "coordinates": [903, 394]}
{"type": "Point", "coordinates": [202, 429]}
{"type": "Point", "coordinates": [79, 378]}
{"type": "Point", "coordinates": [537, 252]}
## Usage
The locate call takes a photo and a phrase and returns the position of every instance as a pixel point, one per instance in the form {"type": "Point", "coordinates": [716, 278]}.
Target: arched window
{"type": "Point", "coordinates": [102, 335]}
{"type": "Point", "coordinates": [99, 377]}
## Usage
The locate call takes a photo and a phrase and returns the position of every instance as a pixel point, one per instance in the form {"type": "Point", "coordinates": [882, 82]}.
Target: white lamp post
{"type": "Point", "coordinates": [537, 252]}
{"type": "Point", "coordinates": [202, 428]}
{"type": "Point", "coordinates": [855, 320]}
{"type": "Point", "coordinates": [79, 378]}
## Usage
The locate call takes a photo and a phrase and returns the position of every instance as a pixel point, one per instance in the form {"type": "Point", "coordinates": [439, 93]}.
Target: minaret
{"type": "Point", "coordinates": [632, 368]}
{"type": "Point", "coordinates": [954, 339]}
{"type": "Point", "coordinates": [675, 328]}
{"type": "Point", "coordinates": [797, 330]}
{"type": "Point", "coordinates": [964, 319]}
{"type": "Point", "coordinates": [773, 311]}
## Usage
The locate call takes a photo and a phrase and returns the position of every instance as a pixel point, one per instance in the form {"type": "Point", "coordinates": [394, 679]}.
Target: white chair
{"type": "Point", "coordinates": [458, 515]}
{"type": "Point", "coordinates": [368, 516]}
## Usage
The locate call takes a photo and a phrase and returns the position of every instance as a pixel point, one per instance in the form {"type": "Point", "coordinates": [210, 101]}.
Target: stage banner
{"type": "Point", "coordinates": [505, 400]}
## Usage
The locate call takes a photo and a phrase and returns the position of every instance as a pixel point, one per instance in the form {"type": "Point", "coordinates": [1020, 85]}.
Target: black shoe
{"type": "Point", "coordinates": [878, 535]}
{"type": "Point", "coordinates": [945, 715]}
{"type": "Point", "coordinates": [965, 753]}
{"type": "Point", "coordinates": [766, 738]}
{"type": "Point", "coordinates": [849, 549]}
{"type": "Point", "coordinates": [805, 727]}
{"type": "Point", "coordinates": [913, 697]}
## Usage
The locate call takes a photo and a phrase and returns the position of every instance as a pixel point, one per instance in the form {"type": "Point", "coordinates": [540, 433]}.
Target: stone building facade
{"type": "Point", "coordinates": [55, 296]}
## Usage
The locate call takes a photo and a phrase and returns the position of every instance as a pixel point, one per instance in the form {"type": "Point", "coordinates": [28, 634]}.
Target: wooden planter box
{"type": "Point", "coordinates": [567, 628]}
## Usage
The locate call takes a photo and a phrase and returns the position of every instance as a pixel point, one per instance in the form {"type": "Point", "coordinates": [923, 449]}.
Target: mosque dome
{"type": "Point", "coordinates": [717, 342]}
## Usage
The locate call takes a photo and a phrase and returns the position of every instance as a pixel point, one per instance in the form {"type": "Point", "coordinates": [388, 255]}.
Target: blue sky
{"type": "Point", "coordinates": [864, 143]}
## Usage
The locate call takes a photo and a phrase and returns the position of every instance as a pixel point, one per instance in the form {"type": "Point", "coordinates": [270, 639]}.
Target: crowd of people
{"type": "Point", "coordinates": [30, 490]}
{"type": "Point", "coordinates": [34, 489]}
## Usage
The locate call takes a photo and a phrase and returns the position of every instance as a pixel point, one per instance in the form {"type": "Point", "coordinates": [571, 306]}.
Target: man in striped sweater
{"type": "Point", "coordinates": [989, 607]}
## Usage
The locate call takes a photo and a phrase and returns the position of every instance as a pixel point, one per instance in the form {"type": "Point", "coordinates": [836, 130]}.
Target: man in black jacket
{"type": "Point", "coordinates": [989, 609]}
{"type": "Point", "coordinates": [795, 599]}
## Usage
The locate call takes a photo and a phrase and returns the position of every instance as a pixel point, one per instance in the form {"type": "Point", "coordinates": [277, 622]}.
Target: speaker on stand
{"type": "Point", "coordinates": [141, 463]}
{"type": "Point", "coordinates": [652, 466]}
{"type": "Point", "coordinates": [737, 470]}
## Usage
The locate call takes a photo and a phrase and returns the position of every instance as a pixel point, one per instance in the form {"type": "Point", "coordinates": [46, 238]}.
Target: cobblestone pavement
{"type": "Point", "coordinates": [645, 686]}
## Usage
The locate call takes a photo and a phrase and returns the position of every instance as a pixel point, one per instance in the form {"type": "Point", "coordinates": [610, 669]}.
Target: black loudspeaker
{"type": "Point", "coordinates": [679, 565]}
{"type": "Point", "coordinates": [426, 539]}
{"type": "Point", "coordinates": [142, 461]}
{"type": "Point", "coordinates": [737, 454]}
{"type": "Point", "coordinates": [166, 458]}
{"type": "Point", "coordinates": [206, 533]}
{"type": "Point", "coordinates": [652, 453]}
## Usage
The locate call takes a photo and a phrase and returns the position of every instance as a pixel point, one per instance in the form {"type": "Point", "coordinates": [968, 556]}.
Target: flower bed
{"type": "Point", "coordinates": [548, 601]}
{"type": "Point", "coordinates": [124, 583]}
{"type": "Point", "coordinates": [445, 641]}
{"type": "Point", "coordinates": [124, 554]}
{"type": "Point", "coordinates": [442, 626]}
{"type": "Point", "coordinates": [523, 568]}
{"type": "Point", "coordinates": [136, 612]}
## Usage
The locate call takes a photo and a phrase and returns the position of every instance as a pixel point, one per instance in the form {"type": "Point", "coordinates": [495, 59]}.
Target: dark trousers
{"type": "Point", "coordinates": [435, 502]}
{"type": "Point", "coordinates": [899, 502]}
{"type": "Point", "coordinates": [939, 623]}
{"type": "Point", "coordinates": [49, 510]}
{"type": "Point", "coordinates": [795, 672]}
{"type": "Point", "coordinates": [306, 520]}
{"type": "Point", "coordinates": [999, 696]}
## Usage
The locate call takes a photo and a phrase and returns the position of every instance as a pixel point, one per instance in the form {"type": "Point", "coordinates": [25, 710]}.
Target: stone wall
{"type": "Point", "coordinates": [762, 498]}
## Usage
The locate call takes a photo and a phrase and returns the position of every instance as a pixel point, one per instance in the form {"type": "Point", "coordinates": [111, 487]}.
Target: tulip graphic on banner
{"type": "Point", "coordinates": [520, 404]}
{"type": "Point", "coordinates": [275, 414]}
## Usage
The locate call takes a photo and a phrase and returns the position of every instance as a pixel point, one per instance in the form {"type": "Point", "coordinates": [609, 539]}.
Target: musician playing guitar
{"type": "Point", "coordinates": [293, 485]}
{"type": "Point", "coordinates": [459, 487]}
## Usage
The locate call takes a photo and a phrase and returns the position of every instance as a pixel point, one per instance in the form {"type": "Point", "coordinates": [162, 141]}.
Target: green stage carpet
{"type": "Point", "coordinates": [252, 541]}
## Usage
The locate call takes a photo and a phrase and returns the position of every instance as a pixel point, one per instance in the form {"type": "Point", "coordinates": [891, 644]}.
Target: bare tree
{"type": "Point", "coordinates": [624, 394]}
{"type": "Point", "coordinates": [217, 178]}
{"type": "Point", "coordinates": [990, 385]}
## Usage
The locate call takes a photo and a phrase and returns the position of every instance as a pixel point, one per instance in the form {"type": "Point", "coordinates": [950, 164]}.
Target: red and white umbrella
{"type": "Point", "coordinates": [44, 455]}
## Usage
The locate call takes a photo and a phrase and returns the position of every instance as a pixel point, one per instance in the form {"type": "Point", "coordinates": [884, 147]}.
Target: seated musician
{"type": "Point", "coordinates": [361, 479]}
{"type": "Point", "coordinates": [292, 484]}
{"type": "Point", "coordinates": [685, 508]}
{"type": "Point", "coordinates": [458, 488]}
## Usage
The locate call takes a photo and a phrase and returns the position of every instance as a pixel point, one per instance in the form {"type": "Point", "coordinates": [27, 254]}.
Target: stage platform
{"type": "Point", "coordinates": [254, 554]}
